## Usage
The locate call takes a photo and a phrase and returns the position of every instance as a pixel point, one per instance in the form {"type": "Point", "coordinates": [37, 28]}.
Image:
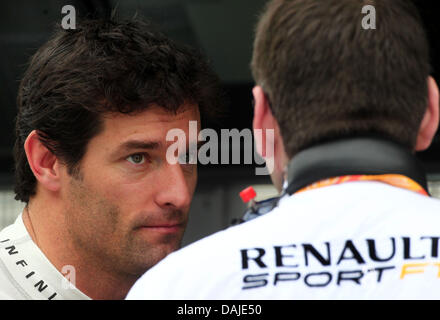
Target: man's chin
{"type": "Point", "coordinates": [146, 248]}
{"type": "Point", "coordinates": [149, 258]}
{"type": "Point", "coordinates": [160, 244]}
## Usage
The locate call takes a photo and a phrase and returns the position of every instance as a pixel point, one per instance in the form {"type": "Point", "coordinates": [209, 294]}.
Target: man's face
{"type": "Point", "coordinates": [129, 207]}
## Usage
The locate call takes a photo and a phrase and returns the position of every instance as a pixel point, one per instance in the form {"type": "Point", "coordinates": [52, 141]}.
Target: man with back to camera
{"type": "Point", "coordinates": [348, 107]}
{"type": "Point", "coordinates": [103, 204]}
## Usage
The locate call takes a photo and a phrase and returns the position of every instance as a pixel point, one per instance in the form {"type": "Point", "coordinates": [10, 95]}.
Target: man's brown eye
{"type": "Point", "coordinates": [136, 158]}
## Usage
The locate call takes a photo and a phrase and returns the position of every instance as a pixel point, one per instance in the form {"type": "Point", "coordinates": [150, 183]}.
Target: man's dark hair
{"type": "Point", "coordinates": [326, 77]}
{"type": "Point", "coordinates": [103, 66]}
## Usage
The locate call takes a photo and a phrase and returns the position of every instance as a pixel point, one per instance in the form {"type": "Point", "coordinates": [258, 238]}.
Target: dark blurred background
{"type": "Point", "coordinates": [222, 29]}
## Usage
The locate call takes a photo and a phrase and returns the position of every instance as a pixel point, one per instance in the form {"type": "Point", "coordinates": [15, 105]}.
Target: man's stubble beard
{"type": "Point", "coordinates": [98, 235]}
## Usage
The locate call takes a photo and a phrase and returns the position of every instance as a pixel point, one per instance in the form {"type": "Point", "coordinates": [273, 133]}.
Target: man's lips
{"type": "Point", "coordinates": [164, 228]}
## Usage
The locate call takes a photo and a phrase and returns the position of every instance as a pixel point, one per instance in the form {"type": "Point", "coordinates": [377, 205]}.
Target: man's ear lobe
{"type": "Point", "coordinates": [43, 163]}
{"type": "Point", "coordinates": [430, 121]}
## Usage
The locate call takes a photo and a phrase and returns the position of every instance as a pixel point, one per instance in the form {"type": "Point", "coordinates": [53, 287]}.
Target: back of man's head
{"type": "Point", "coordinates": [327, 77]}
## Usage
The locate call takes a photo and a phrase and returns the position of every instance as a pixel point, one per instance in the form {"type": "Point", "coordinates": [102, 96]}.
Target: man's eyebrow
{"type": "Point", "coordinates": [137, 144]}
{"type": "Point", "coordinates": [140, 144]}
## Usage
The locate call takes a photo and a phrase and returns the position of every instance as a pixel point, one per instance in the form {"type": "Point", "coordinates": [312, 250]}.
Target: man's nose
{"type": "Point", "coordinates": [172, 188]}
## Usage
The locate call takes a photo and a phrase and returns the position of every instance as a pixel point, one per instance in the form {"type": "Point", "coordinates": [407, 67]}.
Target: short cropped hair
{"type": "Point", "coordinates": [103, 66]}
{"type": "Point", "coordinates": [327, 77]}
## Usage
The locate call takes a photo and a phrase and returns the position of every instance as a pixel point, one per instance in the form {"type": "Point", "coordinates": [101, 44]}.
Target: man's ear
{"type": "Point", "coordinates": [269, 143]}
{"type": "Point", "coordinates": [263, 119]}
{"type": "Point", "coordinates": [429, 124]}
{"type": "Point", "coordinates": [43, 163]}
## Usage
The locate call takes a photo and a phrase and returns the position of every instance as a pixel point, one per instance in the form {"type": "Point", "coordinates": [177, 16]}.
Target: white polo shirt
{"type": "Point", "coordinates": [26, 273]}
{"type": "Point", "coordinates": [356, 240]}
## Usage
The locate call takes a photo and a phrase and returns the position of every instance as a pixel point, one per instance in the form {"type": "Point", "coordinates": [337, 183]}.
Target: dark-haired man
{"type": "Point", "coordinates": [103, 204]}
{"type": "Point", "coordinates": [349, 106]}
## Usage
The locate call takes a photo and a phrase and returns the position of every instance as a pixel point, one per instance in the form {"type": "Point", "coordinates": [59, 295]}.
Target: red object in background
{"type": "Point", "coordinates": [248, 194]}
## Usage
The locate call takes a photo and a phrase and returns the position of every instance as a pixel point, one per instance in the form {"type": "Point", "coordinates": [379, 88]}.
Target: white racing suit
{"type": "Point", "coordinates": [26, 273]}
{"type": "Point", "coordinates": [357, 240]}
